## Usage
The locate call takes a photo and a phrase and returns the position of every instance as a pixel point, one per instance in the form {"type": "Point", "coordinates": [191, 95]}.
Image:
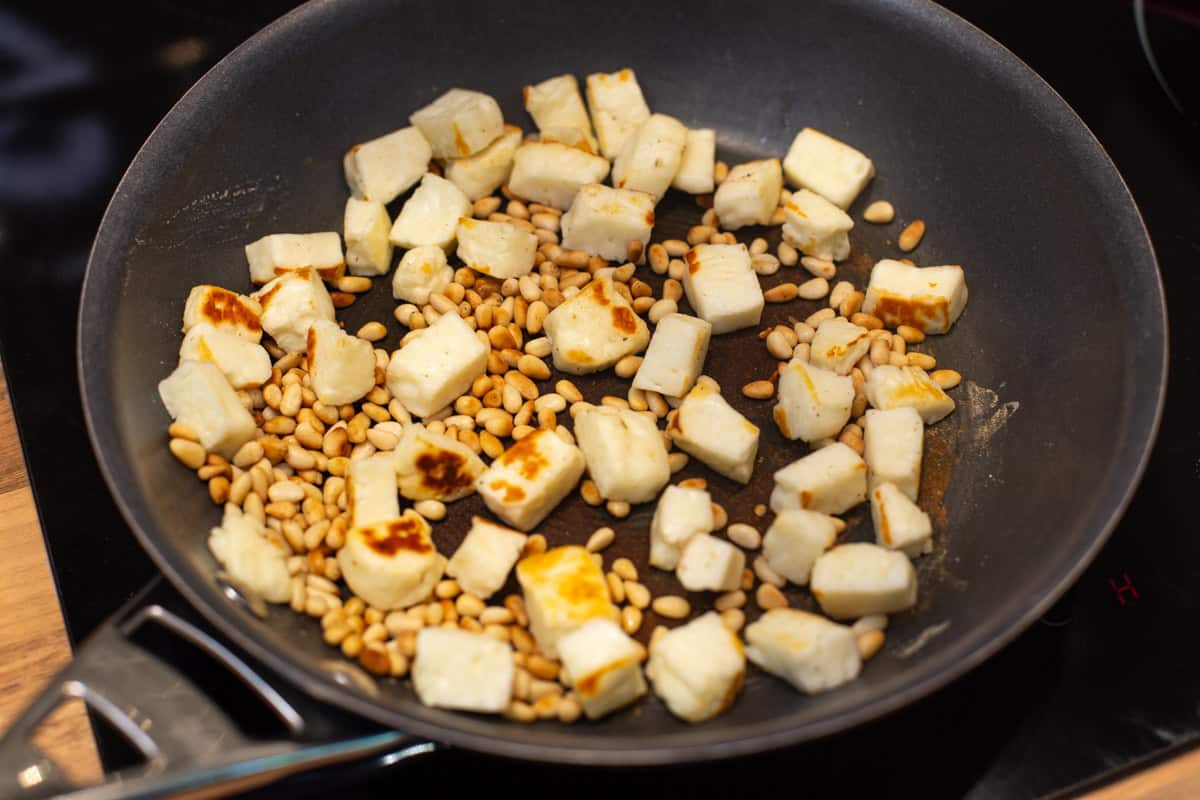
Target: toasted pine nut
{"type": "Point", "coordinates": [372, 331]}
{"type": "Point", "coordinates": [910, 334]}
{"type": "Point", "coordinates": [768, 597]}
{"type": "Point", "coordinates": [671, 606]}
{"type": "Point", "coordinates": [628, 366]}
{"type": "Point", "coordinates": [871, 622]}
{"type": "Point", "coordinates": [767, 575]}
{"type": "Point", "coordinates": [637, 594]}
{"type": "Point", "coordinates": [190, 454]}
{"type": "Point", "coordinates": [782, 293]}
{"type": "Point", "coordinates": [871, 323]}
{"type": "Point", "coordinates": [625, 568]}
{"type": "Point", "coordinates": [880, 352]}
{"type": "Point", "coordinates": [851, 304]}
{"type": "Point", "coordinates": [880, 212]}
{"type": "Point", "coordinates": [616, 588]}
{"type": "Point", "coordinates": [869, 643]}
{"type": "Point", "coordinates": [589, 493]}
{"type": "Point", "coordinates": [618, 508]}
{"type": "Point", "coordinates": [911, 236]}
{"type": "Point", "coordinates": [699, 234]}
{"type": "Point", "coordinates": [946, 378]}
{"type": "Point", "coordinates": [354, 284]}
{"type": "Point", "coordinates": [922, 360]}
{"type": "Point", "coordinates": [763, 263]}
{"type": "Point", "coordinates": [661, 309]}
{"type": "Point", "coordinates": [778, 346]}
{"type": "Point", "coordinates": [788, 256]}
{"type": "Point", "coordinates": [734, 599]}
{"type": "Point", "coordinates": [720, 518]}
{"type": "Point", "coordinates": [839, 293]}
{"type": "Point", "coordinates": [677, 460]}
{"type": "Point", "coordinates": [759, 390]}
{"type": "Point", "coordinates": [631, 619]}
{"type": "Point", "coordinates": [433, 510]}
{"type": "Point", "coordinates": [820, 267]}
{"type": "Point", "coordinates": [744, 535]}
{"type": "Point", "coordinates": [600, 539]}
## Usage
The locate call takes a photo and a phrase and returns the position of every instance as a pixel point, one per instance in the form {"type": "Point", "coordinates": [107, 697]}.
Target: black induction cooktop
{"type": "Point", "coordinates": [1102, 685]}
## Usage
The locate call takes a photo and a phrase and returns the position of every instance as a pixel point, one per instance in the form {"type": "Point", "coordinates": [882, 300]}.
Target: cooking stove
{"type": "Point", "coordinates": [1104, 684]}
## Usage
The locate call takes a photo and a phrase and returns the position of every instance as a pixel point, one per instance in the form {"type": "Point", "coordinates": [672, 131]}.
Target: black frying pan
{"type": "Point", "coordinates": [1065, 330]}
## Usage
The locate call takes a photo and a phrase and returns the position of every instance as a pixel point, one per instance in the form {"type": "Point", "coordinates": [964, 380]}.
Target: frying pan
{"type": "Point", "coordinates": [1063, 341]}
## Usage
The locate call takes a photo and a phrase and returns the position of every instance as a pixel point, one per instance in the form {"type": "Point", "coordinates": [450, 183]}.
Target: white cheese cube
{"type": "Point", "coordinates": [486, 171]}
{"type": "Point", "coordinates": [291, 304]}
{"type": "Point", "coordinates": [891, 387]}
{"type": "Point", "coordinates": [894, 442]}
{"type": "Point", "coordinates": [839, 344]}
{"type": "Point", "coordinates": [221, 308]}
{"type": "Point", "coordinates": [816, 227]}
{"type": "Point", "coordinates": [436, 366]}
{"type": "Point", "coordinates": [459, 123]}
{"type": "Point", "coordinates": [246, 365]}
{"type": "Point", "coordinates": [697, 669]}
{"type": "Point", "coordinates": [749, 195]}
{"type": "Point", "coordinates": [555, 104]}
{"type": "Point", "coordinates": [721, 286]}
{"type": "Point", "coordinates": [814, 403]}
{"type": "Point", "coordinates": [594, 329]}
{"type": "Point", "coordinates": [899, 523]}
{"type": "Point", "coordinates": [695, 175]}
{"type": "Point", "coordinates": [564, 588]}
{"type": "Point", "coordinates": [663, 554]}
{"type": "Point", "coordinates": [371, 490]}
{"type": "Point", "coordinates": [496, 249]}
{"type": "Point", "coordinates": [681, 514]}
{"type": "Point", "coordinates": [831, 480]}
{"type": "Point", "coordinates": [421, 272]}
{"type": "Point", "coordinates": [365, 226]}
{"type": "Point", "coordinates": [651, 156]}
{"type": "Point", "coordinates": [552, 173]}
{"type": "Point", "coordinates": [710, 564]}
{"type": "Point", "coordinates": [482, 562]}
{"type": "Point", "coordinates": [806, 650]}
{"type": "Point", "coordinates": [794, 541]}
{"type": "Point", "coordinates": [463, 670]}
{"type": "Point", "coordinates": [624, 453]}
{"type": "Point", "coordinates": [854, 580]}
{"type": "Point", "coordinates": [432, 466]}
{"type": "Point", "coordinates": [602, 221]}
{"type": "Point", "coordinates": [605, 666]}
{"type": "Point", "coordinates": [617, 107]}
{"type": "Point", "coordinates": [385, 168]}
{"type": "Point", "coordinates": [391, 564]}
{"type": "Point", "coordinates": [341, 367]}
{"type": "Point", "coordinates": [530, 478]}
{"type": "Point", "coordinates": [430, 216]}
{"type": "Point", "coordinates": [927, 298]}
{"type": "Point", "coordinates": [675, 357]}
{"type": "Point", "coordinates": [198, 395]}
{"type": "Point", "coordinates": [279, 253]}
{"type": "Point", "coordinates": [710, 429]}
{"type": "Point", "coordinates": [241, 546]}
{"type": "Point", "coordinates": [832, 169]}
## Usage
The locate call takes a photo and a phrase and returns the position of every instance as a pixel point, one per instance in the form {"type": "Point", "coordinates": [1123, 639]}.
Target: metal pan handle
{"type": "Point", "coordinates": [187, 743]}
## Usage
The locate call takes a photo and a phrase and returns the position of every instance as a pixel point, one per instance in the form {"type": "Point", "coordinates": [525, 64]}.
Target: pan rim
{"type": "Point", "coordinates": [638, 752]}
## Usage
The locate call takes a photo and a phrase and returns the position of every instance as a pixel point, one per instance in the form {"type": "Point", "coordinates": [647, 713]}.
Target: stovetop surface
{"type": "Point", "coordinates": [1106, 682]}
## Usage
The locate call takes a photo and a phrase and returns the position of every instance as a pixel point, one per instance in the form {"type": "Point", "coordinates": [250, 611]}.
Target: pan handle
{"type": "Point", "coordinates": [187, 743]}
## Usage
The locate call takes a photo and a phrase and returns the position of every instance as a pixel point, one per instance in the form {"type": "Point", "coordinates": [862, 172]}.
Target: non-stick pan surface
{"type": "Point", "coordinates": [1063, 340]}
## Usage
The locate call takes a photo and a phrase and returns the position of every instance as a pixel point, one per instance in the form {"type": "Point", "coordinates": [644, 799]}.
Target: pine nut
{"type": "Point", "coordinates": [618, 508]}
{"type": "Point", "coordinates": [589, 493]}
{"type": "Point", "coordinates": [720, 172]}
{"type": "Point", "coordinates": [759, 390]}
{"type": "Point", "coordinates": [519, 711]}
{"type": "Point", "coordinates": [661, 309]}
{"type": "Point", "coordinates": [600, 539]}
{"type": "Point", "coordinates": [616, 589]}
{"type": "Point", "coordinates": [868, 321]}
{"type": "Point", "coordinates": [764, 263]}
{"type": "Point", "coordinates": [534, 545]}
{"type": "Point", "coordinates": [675, 248]}
{"type": "Point", "coordinates": [432, 510]}
{"type": "Point", "coordinates": [734, 599]}
{"type": "Point", "coordinates": [788, 256]}
{"type": "Point", "coordinates": [720, 518]}
{"type": "Point", "coordinates": [468, 605]}
{"type": "Point", "coordinates": [671, 606]}
{"type": "Point", "coordinates": [189, 453]}
{"type": "Point", "coordinates": [542, 667]}
{"type": "Point", "coordinates": [767, 575]}
{"type": "Point", "coordinates": [871, 622]}
{"type": "Point", "coordinates": [910, 334]}
{"type": "Point", "coordinates": [819, 267]}
{"type": "Point", "coordinates": [659, 259]}
{"type": "Point", "coordinates": [840, 292]}
{"type": "Point", "coordinates": [777, 345]}
{"type": "Point", "coordinates": [768, 597]}
{"type": "Point", "coordinates": [631, 619]}
{"type": "Point", "coordinates": [946, 378]}
{"type": "Point", "coordinates": [625, 568]}
{"type": "Point", "coordinates": [815, 319]}
{"type": "Point", "coordinates": [870, 643]}
{"type": "Point", "coordinates": [879, 352]}
{"type": "Point", "coordinates": [744, 535]}
{"type": "Point", "coordinates": [880, 212]}
{"type": "Point", "coordinates": [353, 284]}
{"type": "Point", "coordinates": [759, 245]}
{"type": "Point", "coordinates": [851, 304]}
{"type": "Point", "coordinates": [637, 595]}
{"type": "Point", "coordinates": [699, 234]}
{"type": "Point", "coordinates": [813, 289]}
{"type": "Point", "coordinates": [534, 367]}
{"type": "Point", "coordinates": [922, 360]}
{"type": "Point", "coordinates": [627, 367]}
{"type": "Point", "coordinates": [733, 619]}
{"type": "Point", "coordinates": [911, 236]}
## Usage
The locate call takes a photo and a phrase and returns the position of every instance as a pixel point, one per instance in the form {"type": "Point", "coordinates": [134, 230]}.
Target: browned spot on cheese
{"type": "Point", "coordinates": [650, 218]}
{"type": "Point", "coordinates": [442, 471]}
{"type": "Point", "coordinates": [223, 306]}
{"type": "Point", "coordinates": [310, 348]}
{"type": "Point", "coordinates": [353, 149]}
{"type": "Point", "coordinates": [460, 144]}
{"type": "Point", "coordinates": [526, 457]}
{"type": "Point", "coordinates": [621, 183]}
{"type": "Point", "coordinates": [922, 313]}
{"type": "Point", "coordinates": [625, 75]}
{"type": "Point", "coordinates": [624, 320]}
{"type": "Point", "coordinates": [589, 684]}
{"type": "Point", "coordinates": [781, 420]}
{"type": "Point", "coordinates": [597, 290]}
{"type": "Point", "coordinates": [693, 261]}
{"type": "Point", "coordinates": [269, 295]}
{"type": "Point", "coordinates": [885, 529]}
{"type": "Point", "coordinates": [805, 498]}
{"type": "Point", "coordinates": [332, 273]}
{"type": "Point", "coordinates": [914, 390]}
{"type": "Point", "coordinates": [406, 533]}
{"type": "Point", "coordinates": [350, 502]}
{"type": "Point", "coordinates": [525, 92]}
{"type": "Point", "coordinates": [512, 494]}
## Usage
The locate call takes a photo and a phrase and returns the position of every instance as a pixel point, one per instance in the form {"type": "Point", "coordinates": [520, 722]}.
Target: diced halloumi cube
{"type": "Point", "coordinates": [894, 443]}
{"type": "Point", "coordinates": [710, 564]}
{"type": "Point", "coordinates": [816, 227]}
{"type": "Point", "coordinates": [291, 304]}
{"type": "Point", "coordinates": [857, 579]}
{"type": "Point", "coordinates": [571, 137]}
{"type": "Point", "coordinates": [463, 670]}
{"type": "Point", "coordinates": [371, 490]}
{"type": "Point", "coordinates": [392, 564]}
{"type": "Point", "coordinates": [682, 513]}
{"type": "Point", "coordinates": [697, 669]}
{"type": "Point", "coordinates": [891, 387]}
{"type": "Point", "coordinates": [430, 216]}
{"type": "Point", "coordinates": [814, 403]}
{"type": "Point", "coordinates": [341, 367]}
{"type": "Point", "coordinates": [530, 478]}
{"type": "Point", "coordinates": [564, 588]}
{"type": "Point", "coordinates": [365, 227]}
{"type": "Point", "coordinates": [198, 394]}
{"type": "Point", "coordinates": [749, 195]}
{"type": "Point", "coordinates": [486, 171]}
{"type": "Point", "coordinates": [602, 221]}
{"type": "Point", "coordinates": [594, 329]}
{"type": "Point", "coordinates": [617, 107]}
{"type": "Point", "coordinates": [496, 249]}
{"type": "Point", "coordinates": [722, 287]}
{"type": "Point", "coordinates": [241, 546]}
{"type": "Point", "coordinates": [624, 453]}
{"type": "Point", "coordinates": [436, 366]}
{"type": "Point", "coordinates": [899, 523]}
{"type": "Point", "coordinates": [221, 308]}
{"type": "Point", "coordinates": [605, 666]}
{"type": "Point", "coordinates": [432, 466]}
{"type": "Point", "coordinates": [651, 156]}
{"type": "Point", "coordinates": [710, 429]}
{"type": "Point", "coordinates": [927, 298]}
{"type": "Point", "coordinates": [246, 364]}
{"type": "Point", "coordinates": [831, 168]}
{"type": "Point", "coordinates": [385, 168]}
{"type": "Point", "coordinates": [459, 123]}
{"type": "Point", "coordinates": [695, 174]}
{"type": "Point", "coordinates": [831, 480]}
{"type": "Point", "coordinates": [794, 541]}
{"type": "Point", "coordinates": [482, 562]}
{"type": "Point", "coordinates": [556, 103]}
{"type": "Point", "coordinates": [421, 272]}
{"type": "Point", "coordinates": [552, 173]}
{"type": "Point", "coordinates": [279, 253]}
{"type": "Point", "coordinates": [675, 356]}
{"type": "Point", "coordinates": [838, 345]}
{"type": "Point", "coordinates": [806, 650]}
